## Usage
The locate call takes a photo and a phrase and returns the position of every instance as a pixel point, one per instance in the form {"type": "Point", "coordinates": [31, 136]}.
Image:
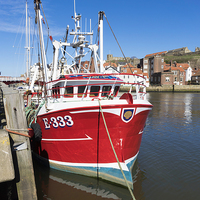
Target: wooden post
{"type": "Point", "coordinates": [6, 161]}
{"type": "Point", "coordinates": [16, 120]}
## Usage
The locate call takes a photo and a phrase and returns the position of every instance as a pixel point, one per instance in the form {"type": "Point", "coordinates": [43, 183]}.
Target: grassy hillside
{"type": "Point", "coordinates": [183, 58]}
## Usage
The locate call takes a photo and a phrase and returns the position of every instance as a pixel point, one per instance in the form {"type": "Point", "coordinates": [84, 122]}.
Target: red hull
{"type": "Point", "coordinates": [83, 137]}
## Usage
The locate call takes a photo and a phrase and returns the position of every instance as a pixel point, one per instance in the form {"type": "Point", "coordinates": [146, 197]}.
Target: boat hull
{"type": "Point", "coordinates": [75, 140]}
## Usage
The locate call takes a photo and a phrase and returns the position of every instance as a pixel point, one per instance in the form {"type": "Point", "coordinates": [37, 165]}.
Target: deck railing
{"type": "Point", "coordinates": [133, 83]}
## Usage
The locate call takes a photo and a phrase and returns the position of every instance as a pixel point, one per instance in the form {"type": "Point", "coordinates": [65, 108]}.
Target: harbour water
{"type": "Point", "coordinates": [167, 166]}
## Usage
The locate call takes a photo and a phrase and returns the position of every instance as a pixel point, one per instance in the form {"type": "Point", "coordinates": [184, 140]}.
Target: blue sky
{"type": "Point", "coordinates": [141, 27]}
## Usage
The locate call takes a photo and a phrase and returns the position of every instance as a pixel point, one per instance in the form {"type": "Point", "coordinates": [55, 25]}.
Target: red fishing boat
{"type": "Point", "coordinates": [83, 124]}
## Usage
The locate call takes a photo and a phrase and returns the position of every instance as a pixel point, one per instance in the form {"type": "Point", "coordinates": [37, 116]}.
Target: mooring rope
{"type": "Point", "coordinates": [115, 152]}
{"type": "Point", "coordinates": [34, 117]}
{"type": "Point", "coordinates": [18, 133]}
{"type": "Point", "coordinates": [118, 43]}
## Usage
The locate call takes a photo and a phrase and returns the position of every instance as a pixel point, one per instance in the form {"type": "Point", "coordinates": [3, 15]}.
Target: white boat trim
{"type": "Point", "coordinates": [74, 139]}
{"type": "Point", "coordinates": [103, 165]}
{"type": "Point", "coordinates": [138, 110]}
{"type": "Point", "coordinates": [115, 111]}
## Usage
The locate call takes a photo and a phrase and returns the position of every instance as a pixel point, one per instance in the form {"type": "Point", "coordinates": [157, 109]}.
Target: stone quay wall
{"type": "Point", "coordinates": [174, 88]}
{"type": "Point", "coordinates": [168, 88]}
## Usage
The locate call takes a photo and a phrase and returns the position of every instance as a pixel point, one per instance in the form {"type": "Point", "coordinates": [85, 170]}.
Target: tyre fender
{"type": "Point", "coordinates": [37, 131]}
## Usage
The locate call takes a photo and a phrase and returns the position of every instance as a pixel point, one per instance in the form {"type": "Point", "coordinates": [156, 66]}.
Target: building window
{"type": "Point", "coordinates": [175, 78]}
{"type": "Point", "coordinates": [167, 79]}
{"type": "Point", "coordinates": [181, 79]}
{"type": "Point", "coordinates": [175, 72]}
{"type": "Point", "coordinates": [145, 61]}
{"type": "Point", "coordinates": [162, 60]}
{"type": "Point", "coordinates": [145, 66]}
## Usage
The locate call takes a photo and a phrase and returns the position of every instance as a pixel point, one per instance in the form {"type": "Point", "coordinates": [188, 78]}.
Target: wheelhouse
{"type": "Point", "coordinates": [85, 86]}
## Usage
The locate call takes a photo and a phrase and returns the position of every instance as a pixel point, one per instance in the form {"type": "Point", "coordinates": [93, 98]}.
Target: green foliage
{"type": "Point", "coordinates": [182, 58]}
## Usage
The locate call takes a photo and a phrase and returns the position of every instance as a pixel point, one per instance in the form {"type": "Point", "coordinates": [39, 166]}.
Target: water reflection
{"type": "Point", "coordinates": [168, 163]}
{"type": "Point", "coordinates": [170, 105]}
{"type": "Point", "coordinates": [169, 153]}
{"type": "Point", "coordinates": [188, 108]}
{"type": "Point", "coordinates": [53, 184]}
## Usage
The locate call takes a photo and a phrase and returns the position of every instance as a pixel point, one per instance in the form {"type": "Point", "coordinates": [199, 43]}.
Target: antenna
{"type": "Point", "coordinates": [74, 9]}
{"type": "Point", "coordinates": [91, 38]}
{"type": "Point", "coordinates": [85, 24]}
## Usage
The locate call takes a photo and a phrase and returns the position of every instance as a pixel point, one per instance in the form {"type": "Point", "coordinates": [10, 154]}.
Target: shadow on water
{"type": "Point", "coordinates": [53, 184]}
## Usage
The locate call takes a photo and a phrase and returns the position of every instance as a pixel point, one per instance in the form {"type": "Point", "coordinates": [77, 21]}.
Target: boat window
{"type": "Point", "coordinates": [53, 92]}
{"type": "Point", "coordinates": [68, 92]}
{"type": "Point", "coordinates": [105, 91]}
{"type": "Point", "coordinates": [81, 90]}
{"type": "Point", "coordinates": [116, 90]}
{"type": "Point", "coordinates": [56, 92]}
{"type": "Point", "coordinates": [94, 91]}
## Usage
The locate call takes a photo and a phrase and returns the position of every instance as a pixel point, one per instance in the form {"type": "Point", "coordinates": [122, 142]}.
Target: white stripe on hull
{"type": "Point", "coordinates": [74, 139]}
{"type": "Point", "coordinates": [103, 165]}
{"type": "Point", "coordinates": [138, 110]}
{"type": "Point", "coordinates": [115, 111]}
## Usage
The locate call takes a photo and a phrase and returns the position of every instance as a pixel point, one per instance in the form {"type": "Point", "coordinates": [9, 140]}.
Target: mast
{"type": "Point", "coordinates": [101, 13]}
{"type": "Point", "coordinates": [79, 44]}
{"type": "Point", "coordinates": [27, 48]}
{"type": "Point", "coordinates": [42, 49]}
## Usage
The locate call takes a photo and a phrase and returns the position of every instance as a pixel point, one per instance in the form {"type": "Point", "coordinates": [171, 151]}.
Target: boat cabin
{"type": "Point", "coordinates": [86, 86]}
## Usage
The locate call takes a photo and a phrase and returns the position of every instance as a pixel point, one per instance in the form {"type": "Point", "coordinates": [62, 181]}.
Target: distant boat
{"type": "Point", "coordinates": [82, 125]}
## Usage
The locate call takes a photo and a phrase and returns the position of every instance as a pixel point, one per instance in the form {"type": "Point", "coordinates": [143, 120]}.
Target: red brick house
{"type": "Point", "coordinates": [196, 78]}
{"type": "Point", "coordinates": [170, 75]}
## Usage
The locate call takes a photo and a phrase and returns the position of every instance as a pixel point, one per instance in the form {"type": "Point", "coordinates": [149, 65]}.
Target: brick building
{"type": "Point", "coordinates": [152, 65]}
{"type": "Point", "coordinates": [161, 73]}
{"type": "Point", "coordinates": [170, 75]}
{"type": "Point", "coordinates": [196, 78]}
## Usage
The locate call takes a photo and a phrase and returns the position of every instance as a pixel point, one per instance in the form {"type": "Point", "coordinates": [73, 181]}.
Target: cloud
{"type": "Point", "coordinates": [11, 12]}
{"type": "Point", "coordinates": [11, 28]}
{"type": "Point", "coordinates": [11, 7]}
{"type": "Point", "coordinates": [12, 18]}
